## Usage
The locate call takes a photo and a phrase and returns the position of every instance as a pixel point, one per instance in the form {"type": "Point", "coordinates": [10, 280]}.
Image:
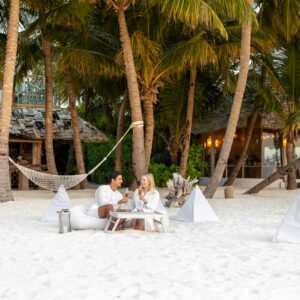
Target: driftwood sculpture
{"type": "Point", "coordinates": [179, 188]}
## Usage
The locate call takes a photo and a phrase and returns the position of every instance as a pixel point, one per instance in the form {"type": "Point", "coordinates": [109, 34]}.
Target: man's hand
{"type": "Point", "coordinates": [124, 200]}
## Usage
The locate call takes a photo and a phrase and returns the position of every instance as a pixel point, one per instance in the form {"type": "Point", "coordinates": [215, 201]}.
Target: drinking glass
{"type": "Point", "coordinates": [140, 191]}
{"type": "Point", "coordinates": [126, 193]}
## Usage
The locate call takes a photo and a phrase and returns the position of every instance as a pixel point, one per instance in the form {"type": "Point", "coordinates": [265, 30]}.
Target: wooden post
{"type": "Point", "coordinates": [23, 182]}
{"type": "Point", "coordinates": [212, 154]}
{"type": "Point", "coordinates": [228, 192]}
{"type": "Point", "coordinates": [243, 165]}
{"type": "Point", "coordinates": [284, 162]}
{"type": "Point", "coordinates": [37, 153]}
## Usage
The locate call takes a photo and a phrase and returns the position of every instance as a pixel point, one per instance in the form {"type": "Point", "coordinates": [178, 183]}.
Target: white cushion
{"type": "Point", "coordinates": [81, 220]}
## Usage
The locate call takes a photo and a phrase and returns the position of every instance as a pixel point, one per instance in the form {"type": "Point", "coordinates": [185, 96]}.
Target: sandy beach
{"type": "Point", "coordinates": [231, 259]}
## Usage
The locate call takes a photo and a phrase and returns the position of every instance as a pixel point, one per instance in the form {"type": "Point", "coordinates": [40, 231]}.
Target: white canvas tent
{"type": "Point", "coordinates": [196, 209]}
{"type": "Point", "coordinates": [289, 230]}
{"type": "Point", "coordinates": [60, 201]}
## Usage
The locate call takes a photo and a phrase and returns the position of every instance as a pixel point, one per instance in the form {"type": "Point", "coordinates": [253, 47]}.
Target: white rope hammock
{"type": "Point", "coordinates": [53, 182]}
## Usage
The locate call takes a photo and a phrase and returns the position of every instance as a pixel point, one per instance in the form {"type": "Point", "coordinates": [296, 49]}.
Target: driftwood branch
{"type": "Point", "coordinates": [290, 167]}
{"type": "Point", "coordinates": [179, 188]}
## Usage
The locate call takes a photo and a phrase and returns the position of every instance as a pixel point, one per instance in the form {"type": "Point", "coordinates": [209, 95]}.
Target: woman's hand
{"type": "Point", "coordinates": [142, 198]}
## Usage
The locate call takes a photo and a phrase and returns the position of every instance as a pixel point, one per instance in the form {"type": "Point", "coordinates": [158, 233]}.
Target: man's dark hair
{"type": "Point", "coordinates": [113, 175]}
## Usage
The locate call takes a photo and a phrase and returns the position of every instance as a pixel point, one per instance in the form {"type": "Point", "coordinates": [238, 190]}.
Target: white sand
{"type": "Point", "coordinates": [231, 259]}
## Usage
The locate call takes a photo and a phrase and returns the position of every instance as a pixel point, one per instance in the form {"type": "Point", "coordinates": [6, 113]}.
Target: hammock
{"type": "Point", "coordinates": [53, 182]}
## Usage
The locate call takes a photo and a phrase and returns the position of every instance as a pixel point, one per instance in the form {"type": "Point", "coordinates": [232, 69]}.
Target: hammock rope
{"type": "Point", "coordinates": [53, 182]}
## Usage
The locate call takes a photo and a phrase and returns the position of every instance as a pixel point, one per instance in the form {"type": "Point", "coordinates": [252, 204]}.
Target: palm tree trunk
{"type": "Point", "coordinates": [241, 159]}
{"type": "Point", "coordinates": [291, 178]}
{"type": "Point", "coordinates": [123, 108]}
{"type": "Point", "coordinates": [7, 96]}
{"type": "Point", "coordinates": [281, 172]}
{"type": "Point", "coordinates": [174, 148]}
{"type": "Point", "coordinates": [188, 122]}
{"type": "Point", "coordinates": [138, 151]}
{"type": "Point", "coordinates": [85, 106]}
{"type": "Point", "coordinates": [51, 166]}
{"type": "Point", "coordinates": [149, 130]}
{"type": "Point", "coordinates": [75, 126]}
{"type": "Point", "coordinates": [235, 110]}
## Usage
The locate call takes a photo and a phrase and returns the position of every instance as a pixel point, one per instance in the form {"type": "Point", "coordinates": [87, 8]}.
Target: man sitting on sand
{"type": "Point", "coordinates": [107, 198]}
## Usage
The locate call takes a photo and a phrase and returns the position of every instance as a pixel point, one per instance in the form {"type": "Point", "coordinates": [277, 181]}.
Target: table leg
{"type": "Point", "coordinates": [115, 226]}
{"type": "Point", "coordinates": [108, 223]}
{"type": "Point", "coordinates": [155, 221]}
{"type": "Point", "coordinates": [162, 225]}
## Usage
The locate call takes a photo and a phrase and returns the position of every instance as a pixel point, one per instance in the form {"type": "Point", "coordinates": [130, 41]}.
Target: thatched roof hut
{"type": "Point", "coordinates": [29, 123]}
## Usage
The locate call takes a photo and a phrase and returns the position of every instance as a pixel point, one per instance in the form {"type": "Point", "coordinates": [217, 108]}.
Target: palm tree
{"type": "Point", "coordinates": [121, 119]}
{"type": "Point", "coordinates": [7, 96]}
{"type": "Point", "coordinates": [75, 126]}
{"type": "Point", "coordinates": [236, 106]}
{"type": "Point", "coordinates": [282, 17]}
{"type": "Point", "coordinates": [39, 9]}
{"type": "Point", "coordinates": [138, 153]}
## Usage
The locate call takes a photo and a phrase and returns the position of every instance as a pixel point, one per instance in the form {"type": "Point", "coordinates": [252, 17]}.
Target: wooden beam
{"type": "Point", "coordinates": [24, 141]}
{"type": "Point", "coordinates": [32, 105]}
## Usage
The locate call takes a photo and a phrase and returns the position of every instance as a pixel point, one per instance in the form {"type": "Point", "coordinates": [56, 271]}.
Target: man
{"type": "Point", "coordinates": [107, 198]}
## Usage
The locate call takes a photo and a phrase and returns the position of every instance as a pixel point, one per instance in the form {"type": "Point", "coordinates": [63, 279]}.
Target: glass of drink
{"type": "Point", "coordinates": [126, 193]}
{"type": "Point", "coordinates": [140, 191]}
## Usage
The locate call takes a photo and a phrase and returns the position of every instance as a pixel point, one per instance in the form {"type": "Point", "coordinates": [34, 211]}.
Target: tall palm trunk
{"type": "Point", "coordinates": [188, 122]}
{"type": "Point", "coordinates": [118, 157]}
{"type": "Point", "coordinates": [75, 126]}
{"type": "Point", "coordinates": [174, 148]}
{"type": "Point", "coordinates": [138, 151]}
{"type": "Point", "coordinates": [236, 108]}
{"type": "Point", "coordinates": [85, 107]}
{"type": "Point", "coordinates": [290, 150]}
{"type": "Point", "coordinates": [241, 159]}
{"type": "Point", "coordinates": [149, 130]}
{"type": "Point", "coordinates": [51, 166]}
{"type": "Point", "coordinates": [7, 96]}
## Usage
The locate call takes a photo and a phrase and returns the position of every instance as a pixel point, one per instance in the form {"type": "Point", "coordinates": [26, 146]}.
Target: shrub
{"type": "Point", "coordinates": [194, 168]}
{"type": "Point", "coordinates": [97, 151]}
{"type": "Point", "coordinates": [195, 164]}
{"type": "Point", "coordinates": [162, 173]}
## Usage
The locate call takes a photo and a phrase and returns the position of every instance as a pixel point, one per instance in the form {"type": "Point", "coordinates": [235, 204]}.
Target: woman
{"type": "Point", "coordinates": [146, 199]}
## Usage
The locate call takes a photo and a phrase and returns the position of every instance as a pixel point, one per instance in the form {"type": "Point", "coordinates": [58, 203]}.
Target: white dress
{"type": "Point", "coordinates": [153, 204]}
{"type": "Point", "coordinates": [104, 195]}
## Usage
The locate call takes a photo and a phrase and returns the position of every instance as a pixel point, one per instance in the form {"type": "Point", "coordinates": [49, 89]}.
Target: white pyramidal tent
{"type": "Point", "coordinates": [196, 209]}
{"type": "Point", "coordinates": [60, 201]}
{"type": "Point", "coordinates": [289, 230]}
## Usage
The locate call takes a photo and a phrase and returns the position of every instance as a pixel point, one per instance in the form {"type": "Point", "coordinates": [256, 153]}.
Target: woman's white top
{"type": "Point", "coordinates": [152, 199]}
{"type": "Point", "coordinates": [153, 204]}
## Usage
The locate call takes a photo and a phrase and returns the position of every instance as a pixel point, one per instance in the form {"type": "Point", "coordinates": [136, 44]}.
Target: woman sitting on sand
{"type": "Point", "coordinates": [146, 199]}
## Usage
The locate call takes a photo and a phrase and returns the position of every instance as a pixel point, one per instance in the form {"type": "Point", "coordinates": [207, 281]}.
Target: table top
{"type": "Point", "coordinates": [135, 214]}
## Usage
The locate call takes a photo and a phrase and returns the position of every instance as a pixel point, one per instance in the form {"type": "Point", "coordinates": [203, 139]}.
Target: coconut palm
{"type": "Point", "coordinates": [283, 18]}
{"type": "Point", "coordinates": [39, 9]}
{"type": "Point", "coordinates": [7, 95]}
{"type": "Point", "coordinates": [236, 106]}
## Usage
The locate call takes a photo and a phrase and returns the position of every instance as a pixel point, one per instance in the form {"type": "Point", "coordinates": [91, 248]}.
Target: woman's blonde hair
{"type": "Point", "coordinates": [151, 180]}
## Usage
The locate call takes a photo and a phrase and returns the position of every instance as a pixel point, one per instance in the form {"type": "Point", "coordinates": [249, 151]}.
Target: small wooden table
{"type": "Point", "coordinates": [118, 215]}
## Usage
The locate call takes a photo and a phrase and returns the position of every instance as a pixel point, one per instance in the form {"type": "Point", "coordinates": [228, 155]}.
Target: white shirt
{"type": "Point", "coordinates": [104, 195]}
{"type": "Point", "coordinates": [152, 199]}
{"type": "Point", "coordinates": [153, 204]}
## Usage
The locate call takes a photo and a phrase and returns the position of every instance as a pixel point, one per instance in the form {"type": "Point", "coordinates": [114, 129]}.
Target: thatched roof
{"type": "Point", "coordinates": [270, 121]}
{"type": "Point", "coordinates": [29, 123]}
